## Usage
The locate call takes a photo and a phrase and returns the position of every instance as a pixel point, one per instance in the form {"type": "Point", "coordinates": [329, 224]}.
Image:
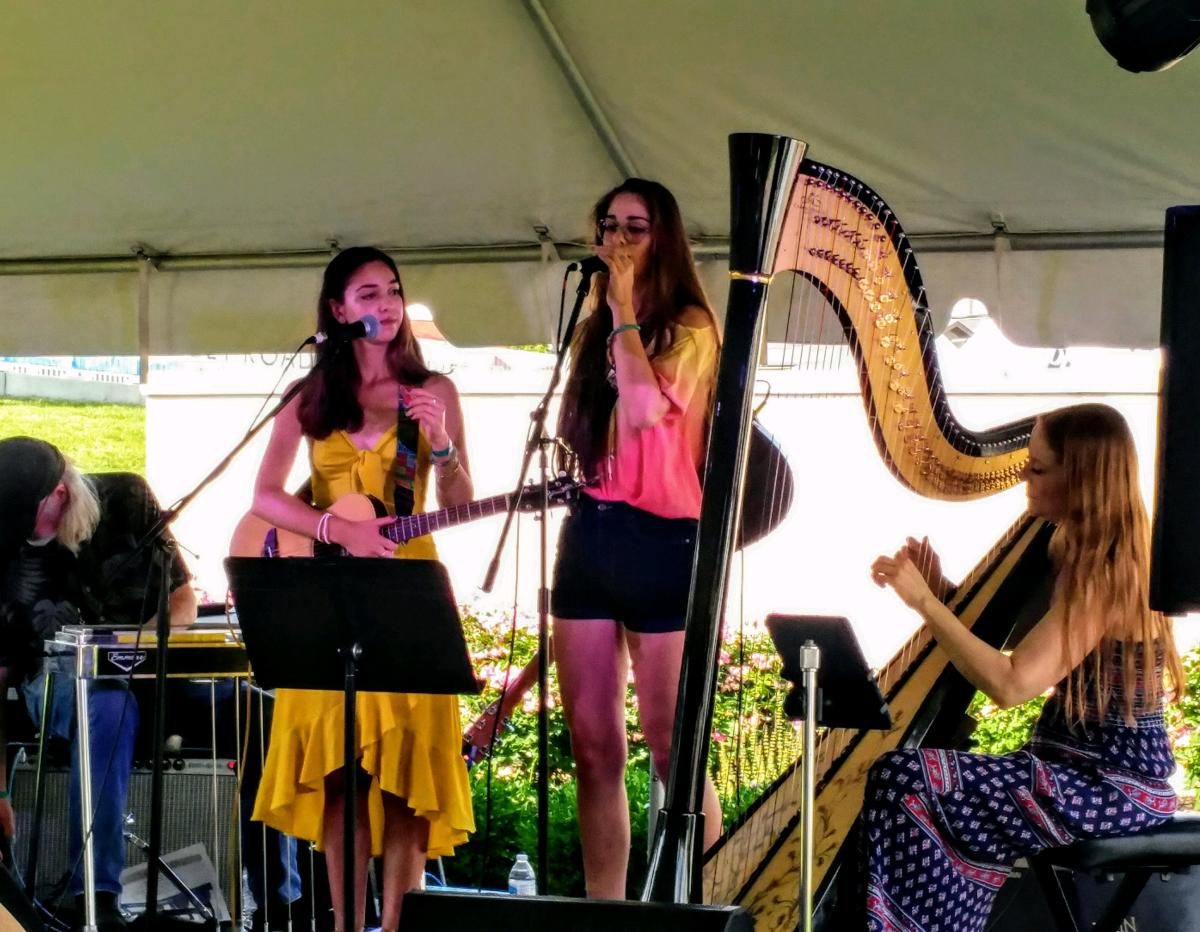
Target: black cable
{"type": "Point", "coordinates": [254, 422]}
{"type": "Point", "coordinates": [560, 349]}
{"type": "Point", "coordinates": [512, 648]}
{"type": "Point", "coordinates": [275, 388]}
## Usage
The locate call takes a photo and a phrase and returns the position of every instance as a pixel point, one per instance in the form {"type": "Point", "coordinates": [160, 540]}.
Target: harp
{"type": "Point", "coordinates": [794, 214]}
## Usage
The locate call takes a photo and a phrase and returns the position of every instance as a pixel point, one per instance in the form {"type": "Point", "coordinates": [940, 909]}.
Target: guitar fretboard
{"type": "Point", "coordinates": [410, 526]}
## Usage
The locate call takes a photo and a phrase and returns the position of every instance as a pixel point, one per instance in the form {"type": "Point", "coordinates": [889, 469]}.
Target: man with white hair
{"type": "Point", "coordinates": [69, 555]}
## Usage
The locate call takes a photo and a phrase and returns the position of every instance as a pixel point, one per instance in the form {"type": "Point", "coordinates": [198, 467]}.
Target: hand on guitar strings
{"type": "Point", "coordinates": [424, 407]}
{"type": "Point", "coordinates": [362, 538]}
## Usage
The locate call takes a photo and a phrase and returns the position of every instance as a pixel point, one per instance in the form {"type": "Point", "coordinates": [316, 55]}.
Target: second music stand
{"type": "Point", "coordinates": [348, 624]}
{"type": "Point", "coordinates": [848, 697]}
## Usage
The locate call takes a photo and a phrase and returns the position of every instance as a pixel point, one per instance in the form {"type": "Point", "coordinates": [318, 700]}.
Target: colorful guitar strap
{"type": "Point", "coordinates": [404, 471]}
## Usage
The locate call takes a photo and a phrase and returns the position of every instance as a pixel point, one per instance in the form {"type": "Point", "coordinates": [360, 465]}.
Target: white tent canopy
{"type": "Point", "coordinates": [232, 142]}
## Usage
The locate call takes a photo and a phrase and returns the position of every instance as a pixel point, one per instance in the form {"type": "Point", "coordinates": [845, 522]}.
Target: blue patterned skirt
{"type": "Point", "coordinates": [941, 828]}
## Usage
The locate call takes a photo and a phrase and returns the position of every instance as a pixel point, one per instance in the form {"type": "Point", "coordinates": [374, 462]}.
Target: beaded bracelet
{"type": "Point", "coordinates": [449, 469]}
{"type": "Point", "coordinates": [621, 329]}
{"type": "Point", "coordinates": [448, 462]}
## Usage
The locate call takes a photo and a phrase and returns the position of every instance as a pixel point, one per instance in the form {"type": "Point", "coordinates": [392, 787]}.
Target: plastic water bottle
{"type": "Point", "coordinates": [521, 880]}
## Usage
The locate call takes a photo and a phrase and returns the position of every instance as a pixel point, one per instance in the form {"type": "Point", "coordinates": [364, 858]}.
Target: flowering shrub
{"type": "Point", "coordinates": [1184, 723]}
{"type": "Point", "coordinates": [750, 719]}
{"type": "Point", "coordinates": [486, 859]}
{"type": "Point", "coordinates": [997, 730]}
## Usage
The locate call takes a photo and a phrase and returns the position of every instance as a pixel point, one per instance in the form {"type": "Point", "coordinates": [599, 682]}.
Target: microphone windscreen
{"type": "Point", "coordinates": [592, 265]}
{"type": "Point", "coordinates": [370, 326]}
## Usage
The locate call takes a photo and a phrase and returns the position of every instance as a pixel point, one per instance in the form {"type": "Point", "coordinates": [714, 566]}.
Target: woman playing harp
{"type": "Point", "coordinates": [1099, 756]}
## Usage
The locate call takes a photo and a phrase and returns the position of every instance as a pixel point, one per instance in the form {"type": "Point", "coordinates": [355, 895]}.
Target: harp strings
{"type": "Point", "coordinates": [866, 279]}
{"type": "Point", "coordinates": [749, 841]}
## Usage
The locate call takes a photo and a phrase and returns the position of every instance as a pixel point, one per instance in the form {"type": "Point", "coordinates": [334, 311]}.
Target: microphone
{"type": "Point", "coordinates": [366, 326]}
{"type": "Point", "coordinates": [587, 268]}
{"type": "Point", "coordinates": [591, 265]}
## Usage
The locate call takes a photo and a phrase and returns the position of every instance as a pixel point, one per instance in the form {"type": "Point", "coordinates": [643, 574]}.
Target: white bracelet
{"type": "Point", "coordinates": [323, 527]}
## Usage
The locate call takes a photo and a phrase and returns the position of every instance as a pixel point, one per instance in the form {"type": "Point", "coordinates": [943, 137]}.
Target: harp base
{"type": "Point", "coordinates": [674, 872]}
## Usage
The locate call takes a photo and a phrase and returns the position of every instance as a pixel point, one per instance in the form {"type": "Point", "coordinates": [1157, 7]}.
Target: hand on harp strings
{"type": "Point", "coordinates": [902, 575]}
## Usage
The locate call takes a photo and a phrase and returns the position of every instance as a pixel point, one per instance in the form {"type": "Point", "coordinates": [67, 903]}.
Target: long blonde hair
{"type": "Point", "coordinates": [81, 513]}
{"type": "Point", "coordinates": [1101, 549]}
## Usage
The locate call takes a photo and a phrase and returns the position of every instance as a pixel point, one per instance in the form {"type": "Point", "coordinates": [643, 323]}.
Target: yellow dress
{"type": "Point", "coordinates": [411, 745]}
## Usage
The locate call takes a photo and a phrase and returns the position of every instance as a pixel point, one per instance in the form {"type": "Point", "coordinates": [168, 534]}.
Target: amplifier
{"type": "Point", "coordinates": [199, 805]}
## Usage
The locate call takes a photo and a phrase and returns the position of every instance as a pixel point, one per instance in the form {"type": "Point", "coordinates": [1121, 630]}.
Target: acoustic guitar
{"type": "Point", "coordinates": [254, 537]}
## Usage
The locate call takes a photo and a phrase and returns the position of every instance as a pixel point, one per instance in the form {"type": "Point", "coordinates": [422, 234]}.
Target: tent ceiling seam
{"type": "Point", "coordinates": [708, 248]}
{"type": "Point", "coordinates": [580, 87]}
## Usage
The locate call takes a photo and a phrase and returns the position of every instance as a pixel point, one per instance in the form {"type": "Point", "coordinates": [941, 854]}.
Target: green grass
{"type": "Point", "coordinates": [97, 437]}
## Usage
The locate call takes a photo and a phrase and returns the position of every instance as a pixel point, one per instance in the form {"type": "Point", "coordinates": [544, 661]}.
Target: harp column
{"type": "Point", "coordinates": [763, 174]}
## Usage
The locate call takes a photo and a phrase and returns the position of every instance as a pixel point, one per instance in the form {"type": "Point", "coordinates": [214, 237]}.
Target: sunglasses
{"type": "Point", "coordinates": [634, 231]}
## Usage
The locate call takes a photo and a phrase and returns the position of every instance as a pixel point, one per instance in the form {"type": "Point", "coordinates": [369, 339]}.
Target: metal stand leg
{"type": "Point", "coordinates": [350, 798]}
{"type": "Point", "coordinates": [39, 787]}
{"type": "Point", "coordinates": [810, 662]}
{"type": "Point", "coordinates": [85, 800]}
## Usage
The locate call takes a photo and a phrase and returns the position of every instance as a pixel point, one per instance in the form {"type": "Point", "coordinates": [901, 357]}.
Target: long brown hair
{"type": "Point", "coordinates": [1101, 549]}
{"type": "Point", "coordinates": [329, 400]}
{"type": "Point", "coordinates": [670, 286]}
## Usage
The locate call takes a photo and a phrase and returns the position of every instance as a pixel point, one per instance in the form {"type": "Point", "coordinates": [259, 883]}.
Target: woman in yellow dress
{"type": "Point", "coordinates": [410, 765]}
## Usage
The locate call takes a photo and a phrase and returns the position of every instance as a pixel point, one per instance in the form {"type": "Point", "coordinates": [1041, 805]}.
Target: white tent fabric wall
{"type": "Point", "coordinates": [249, 130]}
{"type": "Point", "coordinates": [1038, 298]}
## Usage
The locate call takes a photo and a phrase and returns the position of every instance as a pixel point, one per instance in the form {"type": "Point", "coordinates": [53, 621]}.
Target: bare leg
{"type": "Point", "coordinates": [335, 804]}
{"type": "Point", "coordinates": [405, 842]}
{"type": "Point", "coordinates": [592, 672]}
{"type": "Point", "coordinates": [656, 662]}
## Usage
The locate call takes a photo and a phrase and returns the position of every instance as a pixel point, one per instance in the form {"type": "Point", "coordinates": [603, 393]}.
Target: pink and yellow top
{"type": "Point", "coordinates": [657, 469]}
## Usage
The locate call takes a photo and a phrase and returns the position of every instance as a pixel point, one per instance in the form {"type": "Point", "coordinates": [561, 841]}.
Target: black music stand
{"type": "Point", "coordinates": [848, 697]}
{"type": "Point", "coordinates": [351, 624]}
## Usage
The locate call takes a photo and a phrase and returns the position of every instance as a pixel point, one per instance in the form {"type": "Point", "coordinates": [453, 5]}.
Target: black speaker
{"type": "Point", "coordinates": [437, 911]}
{"type": "Point", "coordinates": [199, 803]}
{"type": "Point", "coordinates": [1175, 551]}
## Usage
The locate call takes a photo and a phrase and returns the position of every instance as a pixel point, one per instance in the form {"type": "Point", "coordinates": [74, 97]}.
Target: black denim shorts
{"type": "Point", "coordinates": [616, 561]}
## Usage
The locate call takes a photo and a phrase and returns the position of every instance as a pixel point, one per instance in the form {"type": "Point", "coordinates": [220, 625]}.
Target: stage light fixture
{"type": "Point", "coordinates": [1146, 35]}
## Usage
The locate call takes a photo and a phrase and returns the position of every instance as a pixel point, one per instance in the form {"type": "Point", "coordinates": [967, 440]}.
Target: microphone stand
{"type": "Point", "coordinates": [164, 552]}
{"type": "Point", "coordinates": [538, 440]}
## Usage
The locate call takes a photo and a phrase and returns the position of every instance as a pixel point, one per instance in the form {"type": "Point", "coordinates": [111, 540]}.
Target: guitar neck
{"type": "Point", "coordinates": [410, 526]}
